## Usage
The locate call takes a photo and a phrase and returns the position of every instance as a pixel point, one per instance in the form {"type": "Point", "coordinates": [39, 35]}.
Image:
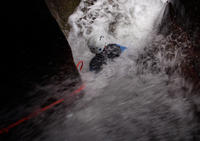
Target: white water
{"type": "Point", "coordinates": [120, 102]}
{"type": "Point", "coordinates": [133, 24]}
{"type": "Point", "coordinates": [126, 22]}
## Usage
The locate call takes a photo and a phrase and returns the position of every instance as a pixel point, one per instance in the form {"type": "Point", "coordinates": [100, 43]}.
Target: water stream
{"type": "Point", "coordinates": [127, 100]}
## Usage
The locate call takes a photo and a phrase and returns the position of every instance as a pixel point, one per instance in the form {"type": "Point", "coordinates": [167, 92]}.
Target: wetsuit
{"type": "Point", "coordinates": [110, 51]}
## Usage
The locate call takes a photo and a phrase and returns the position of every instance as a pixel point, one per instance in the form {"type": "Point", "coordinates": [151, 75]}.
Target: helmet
{"type": "Point", "coordinates": [96, 44]}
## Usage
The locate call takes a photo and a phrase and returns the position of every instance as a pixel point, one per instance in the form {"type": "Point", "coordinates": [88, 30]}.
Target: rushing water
{"type": "Point", "coordinates": [127, 100]}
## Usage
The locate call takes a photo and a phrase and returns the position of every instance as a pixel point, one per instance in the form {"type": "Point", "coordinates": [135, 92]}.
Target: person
{"type": "Point", "coordinates": [103, 52]}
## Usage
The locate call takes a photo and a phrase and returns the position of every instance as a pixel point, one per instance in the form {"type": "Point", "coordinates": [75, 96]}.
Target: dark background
{"type": "Point", "coordinates": [34, 49]}
{"type": "Point", "coordinates": [34, 52]}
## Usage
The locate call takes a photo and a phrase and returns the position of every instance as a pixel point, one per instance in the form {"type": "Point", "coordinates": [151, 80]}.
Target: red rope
{"type": "Point", "coordinates": [37, 112]}
{"type": "Point", "coordinates": [80, 62]}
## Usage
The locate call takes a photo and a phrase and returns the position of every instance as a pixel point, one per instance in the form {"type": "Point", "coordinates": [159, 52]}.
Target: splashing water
{"type": "Point", "coordinates": [126, 22]}
{"type": "Point", "coordinates": [123, 102]}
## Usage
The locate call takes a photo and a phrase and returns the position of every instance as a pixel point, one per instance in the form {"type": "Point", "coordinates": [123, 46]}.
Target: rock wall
{"type": "Point", "coordinates": [182, 17]}
{"type": "Point", "coordinates": [36, 50]}
{"type": "Point", "coordinates": [61, 10]}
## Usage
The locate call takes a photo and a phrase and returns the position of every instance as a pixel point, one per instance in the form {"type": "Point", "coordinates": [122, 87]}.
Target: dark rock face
{"type": "Point", "coordinates": [40, 50]}
{"type": "Point", "coordinates": [61, 10]}
{"type": "Point", "coordinates": [37, 55]}
{"type": "Point", "coordinates": [190, 21]}
{"type": "Point", "coordinates": [182, 17]}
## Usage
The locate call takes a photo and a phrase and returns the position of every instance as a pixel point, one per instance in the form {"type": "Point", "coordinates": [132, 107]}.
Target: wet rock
{"type": "Point", "coordinates": [41, 64]}
{"type": "Point", "coordinates": [181, 19]}
{"type": "Point", "coordinates": [61, 10]}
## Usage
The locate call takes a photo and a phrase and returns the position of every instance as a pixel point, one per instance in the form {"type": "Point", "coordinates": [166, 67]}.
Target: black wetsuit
{"type": "Point", "coordinates": [111, 51]}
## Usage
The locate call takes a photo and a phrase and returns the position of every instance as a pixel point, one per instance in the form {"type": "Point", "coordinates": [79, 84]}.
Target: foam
{"type": "Point", "coordinates": [126, 22]}
{"type": "Point", "coordinates": [123, 102]}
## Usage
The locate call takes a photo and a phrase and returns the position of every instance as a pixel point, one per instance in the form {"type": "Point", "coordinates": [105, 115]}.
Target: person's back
{"type": "Point", "coordinates": [109, 52]}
